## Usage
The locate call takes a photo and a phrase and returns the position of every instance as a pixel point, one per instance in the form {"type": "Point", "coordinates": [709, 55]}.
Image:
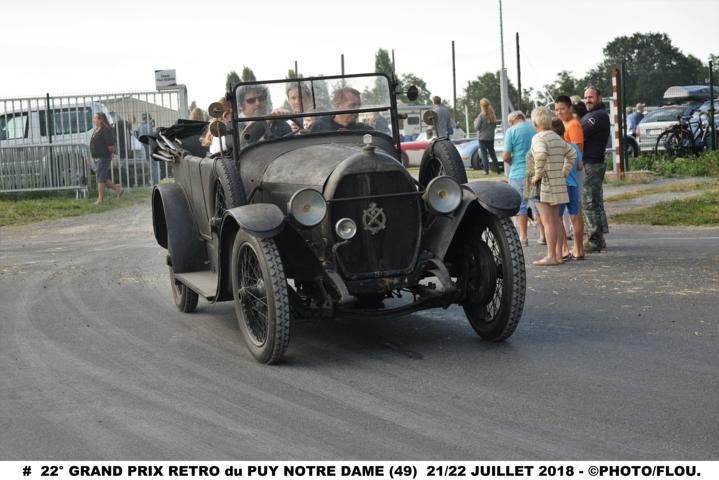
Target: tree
{"type": "Point", "coordinates": [408, 79]}
{"type": "Point", "coordinates": [383, 63]}
{"type": "Point", "coordinates": [565, 84]}
{"type": "Point", "coordinates": [653, 64]}
{"type": "Point", "coordinates": [485, 86]}
{"type": "Point", "coordinates": [247, 74]}
{"type": "Point", "coordinates": [232, 80]}
{"type": "Point", "coordinates": [292, 75]}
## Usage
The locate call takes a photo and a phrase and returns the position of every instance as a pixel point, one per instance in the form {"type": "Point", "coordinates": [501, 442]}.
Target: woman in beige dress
{"type": "Point", "coordinates": [553, 159]}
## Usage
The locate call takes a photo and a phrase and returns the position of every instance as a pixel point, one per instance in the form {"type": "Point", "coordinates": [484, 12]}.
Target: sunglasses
{"type": "Point", "coordinates": [252, 100]}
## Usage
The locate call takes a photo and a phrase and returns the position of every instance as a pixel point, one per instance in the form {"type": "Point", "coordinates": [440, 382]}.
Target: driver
{"type": "Point", "coordinates": [252, 102]}
{"type": "Point", "coordinates": [346, 98]}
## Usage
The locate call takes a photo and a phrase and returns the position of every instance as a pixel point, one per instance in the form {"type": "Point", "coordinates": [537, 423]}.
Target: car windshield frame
{"type": "Point", "coordinates": [391, 106]}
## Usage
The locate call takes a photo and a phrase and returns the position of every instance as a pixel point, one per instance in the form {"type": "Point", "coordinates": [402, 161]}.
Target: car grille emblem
{"type": "Point", "coordinates": [374, 219]}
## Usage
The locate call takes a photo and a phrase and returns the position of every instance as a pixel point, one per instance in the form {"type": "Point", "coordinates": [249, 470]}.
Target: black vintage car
{"type": "Point", "coordinates": [288, 219]}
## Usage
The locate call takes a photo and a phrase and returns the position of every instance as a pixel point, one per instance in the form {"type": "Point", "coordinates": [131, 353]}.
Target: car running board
{"type": "Point", "coordinates": [202, 283]}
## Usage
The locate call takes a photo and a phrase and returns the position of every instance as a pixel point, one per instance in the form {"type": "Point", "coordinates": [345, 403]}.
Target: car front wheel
{"type": "Point", "coordinates": [259, 289]}
{"type": "Point", "coordinates": [493, 278]}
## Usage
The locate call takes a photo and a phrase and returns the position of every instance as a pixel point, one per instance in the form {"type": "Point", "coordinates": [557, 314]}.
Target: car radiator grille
{"type": "Point", "coordinates": [391, 250]}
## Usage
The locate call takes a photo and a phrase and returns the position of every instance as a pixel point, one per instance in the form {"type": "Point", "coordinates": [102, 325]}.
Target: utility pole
{"type": "Point", "coordinates": [711, 105]}
{"type": "Point", "coordinates": [296, 71]}
{"type": "Point", "coordinates": [519, 77]}
{"type": "Point", "coordinates": [342, 60]}
{"type": "Point", "coordinates": [503, 75]}
{"type": "Point", "coordinates": [454, 87]}
{"type": "Point", "coordinates": [394, 68]}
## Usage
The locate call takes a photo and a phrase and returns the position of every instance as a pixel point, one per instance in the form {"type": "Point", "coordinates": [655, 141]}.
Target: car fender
{"type": "Point", "coordinates": [478, 198]}
{"type": "Point", "coordinates": [175, 228]}
{"type": "Point", "coordinates": [263, 220]}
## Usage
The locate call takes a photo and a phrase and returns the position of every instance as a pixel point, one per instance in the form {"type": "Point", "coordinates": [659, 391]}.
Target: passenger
{"type": "Point", "coordinates": [298, 103]}
{"type": "Point", "coordinates": [345, 98]}
{"type": "Point", "coordinates": [197, 115]}
{"type": "Point", "coordinates": [216, 144]}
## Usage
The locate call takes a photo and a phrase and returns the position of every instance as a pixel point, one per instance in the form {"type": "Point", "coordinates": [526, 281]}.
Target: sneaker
{"type": "Point", "coordinates": [591, 247]}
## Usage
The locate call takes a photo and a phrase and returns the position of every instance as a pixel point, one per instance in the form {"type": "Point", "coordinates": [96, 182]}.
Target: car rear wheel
{"type": "Point", "coordinates": [259, 289]}
{"type": "Point", "coordinates": [441, 158]}
{"type": "Point", "coordinates": [475, 161]}
{"type": "Point", "coordinates": [493, 278]}
{"type": "Point", "coordinates": [185, 299]}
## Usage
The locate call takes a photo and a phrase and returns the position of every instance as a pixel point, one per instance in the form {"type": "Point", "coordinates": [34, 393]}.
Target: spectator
{"type": "Point", "coordinates": [572, 206]}
{"type": "Point", "coordinates": [578, 110]}
{"type": "Point", "coordinates": [444, 125]}
{"type": "Point", "coordinates": [299, 98]}
{"type": "Point", "coordinates": [634, 118]}
{"type": "Point", "coordinates": [102, 148]}
{"type": "Point", "coordinates": [485, 124]}
{"type": "Point", "coordinates": [197, 115]}
{"type": "Point", "coordinates": [553, 159]}
{"type": "Point", "coordinates": [574, 135]}
{"type": "Point", "coordinates": [517, 142]}
{"type": "Point", "coordinates": [595, 125]}
{"type": "Point", "coordinates": [147, 128]}
{"type": "Point", "coordinates": [379, 123]}
{"type": "Point", "coordinates": [576, 99]}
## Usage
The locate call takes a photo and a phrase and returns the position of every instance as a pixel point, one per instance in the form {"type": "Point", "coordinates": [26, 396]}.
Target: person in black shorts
{"type": "Point", "coordinates": [102, 148]}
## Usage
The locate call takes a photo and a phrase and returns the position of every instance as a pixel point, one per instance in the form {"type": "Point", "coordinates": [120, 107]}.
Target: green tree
{"type": "Point", "coordinates": [653, 64]}
{"type": "Point", "coordinates": [383, 63]}
{"type": "Point", "coordinates": [247, 74]}
{"type": "Point", "coordinates": [485, 86]}
{"type": "Point", "coordinates": [291, 74]}
{"type": "Point", "coordinates": [565, 84]}
{"type": "Point", "coordinates": [232, 80]}
{"type": "Point", "coordinates": [408, 79]}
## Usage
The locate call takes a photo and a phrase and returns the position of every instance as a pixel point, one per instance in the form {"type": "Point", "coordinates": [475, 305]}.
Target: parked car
{"type": "Point", "coordinates": [469, 151]}
{"type": "Point", "coordinates": [655, 122]}
{"type": "Point", "coordinates": [330, 223]}
{"type": "Point", "coordinates": [413, 150]}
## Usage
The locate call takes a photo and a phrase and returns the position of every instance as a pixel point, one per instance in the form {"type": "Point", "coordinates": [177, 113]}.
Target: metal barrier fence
{"type": "Point", "coordinates": [44, 167]}
{"type": "Point", "coordinates": [67, 120]}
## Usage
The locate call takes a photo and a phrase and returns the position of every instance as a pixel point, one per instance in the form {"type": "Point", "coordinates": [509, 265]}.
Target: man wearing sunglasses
{"type": "Point", "coordinates": [252, 101]}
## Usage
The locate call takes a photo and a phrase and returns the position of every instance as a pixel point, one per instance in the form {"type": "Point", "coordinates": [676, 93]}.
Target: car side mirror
{"type": "Point", "coordinates": [412, 93]}
{"type": "Point", "coordinates": [216, 110]}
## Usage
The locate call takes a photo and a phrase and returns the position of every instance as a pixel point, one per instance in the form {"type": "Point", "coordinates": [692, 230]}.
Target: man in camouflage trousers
{"type": "Point", "coordinates": [595, 125]}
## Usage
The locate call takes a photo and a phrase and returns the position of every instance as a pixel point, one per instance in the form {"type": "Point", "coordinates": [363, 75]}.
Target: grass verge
{"type": "Point", "coordinates": [698, 211]}
{"type": "Point", "coordinates": [20, 209]}
{"type": "Point", "coordinates": [677, 187]}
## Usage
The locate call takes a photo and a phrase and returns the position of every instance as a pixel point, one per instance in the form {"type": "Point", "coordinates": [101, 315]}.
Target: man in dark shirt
{"type": "Point", "coordinates": [596, 127]}
{"type": "Point", "coordinates": [346, 98]}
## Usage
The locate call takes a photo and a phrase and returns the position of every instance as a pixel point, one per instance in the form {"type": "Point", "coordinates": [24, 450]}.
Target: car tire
{"type": "Point", "coordinates": [259, 290]}
{"type": "Point", "coordinates": [493, 278]}
{"type": "Point", "coordinates": [229, 192]}
{"type": "Point", "coordinates": [475, 161]}
{"type": "Point", "coordinates": [441, 158]}
{"type": "Point", "coordinates": [185, 299]}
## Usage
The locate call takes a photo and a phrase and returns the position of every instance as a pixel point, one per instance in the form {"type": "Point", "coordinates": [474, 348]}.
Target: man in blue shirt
{"type": "Point", "coordinates": [634, 118]}
{"type": "Point", "coordinates": [517, 143]}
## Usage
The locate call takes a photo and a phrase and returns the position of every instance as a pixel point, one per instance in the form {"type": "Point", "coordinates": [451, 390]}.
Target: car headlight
{"type": "Point", "coordinates": [307, 207]}
{"type": "Point", "coordinates": [443, 195]}
{"type": "Point", "coordinates": [346, 228]}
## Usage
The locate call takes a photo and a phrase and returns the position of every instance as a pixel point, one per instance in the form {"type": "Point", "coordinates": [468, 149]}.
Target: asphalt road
{"type": "Point", "coordinates": [616, 357]}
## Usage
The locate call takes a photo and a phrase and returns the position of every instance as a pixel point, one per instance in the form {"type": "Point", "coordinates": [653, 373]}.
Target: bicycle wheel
{"type": "Point", "coordinates": [673, 144]}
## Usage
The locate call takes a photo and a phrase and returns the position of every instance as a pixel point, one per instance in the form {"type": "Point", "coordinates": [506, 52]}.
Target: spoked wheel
{"type": "Point", "coordinates": [441, 158]}
{"type": "Point", "coordinates": [675, 143]}
{"type": "Point", "coordinates": [493, 278]}
{"type": "Point", "coordinates": [185, 299]}
{"type": "Point", "coordinates": [259, 288]}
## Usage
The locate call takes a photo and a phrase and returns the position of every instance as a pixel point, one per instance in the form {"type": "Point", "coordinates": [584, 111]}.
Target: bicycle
{"type": "Point", "coordinates": [684, 138]}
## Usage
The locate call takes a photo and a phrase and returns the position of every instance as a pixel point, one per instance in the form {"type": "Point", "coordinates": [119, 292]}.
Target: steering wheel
{"type": "Point", "coordinates": [253, 132]}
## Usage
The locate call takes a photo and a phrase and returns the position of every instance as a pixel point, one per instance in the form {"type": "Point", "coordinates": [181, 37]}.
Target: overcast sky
{"type": "Point", "coordinates": [78, 47]}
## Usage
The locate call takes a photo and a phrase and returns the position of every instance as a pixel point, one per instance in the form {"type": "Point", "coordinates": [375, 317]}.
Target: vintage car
{"type": "Point", "coordinates": [325, 221]}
